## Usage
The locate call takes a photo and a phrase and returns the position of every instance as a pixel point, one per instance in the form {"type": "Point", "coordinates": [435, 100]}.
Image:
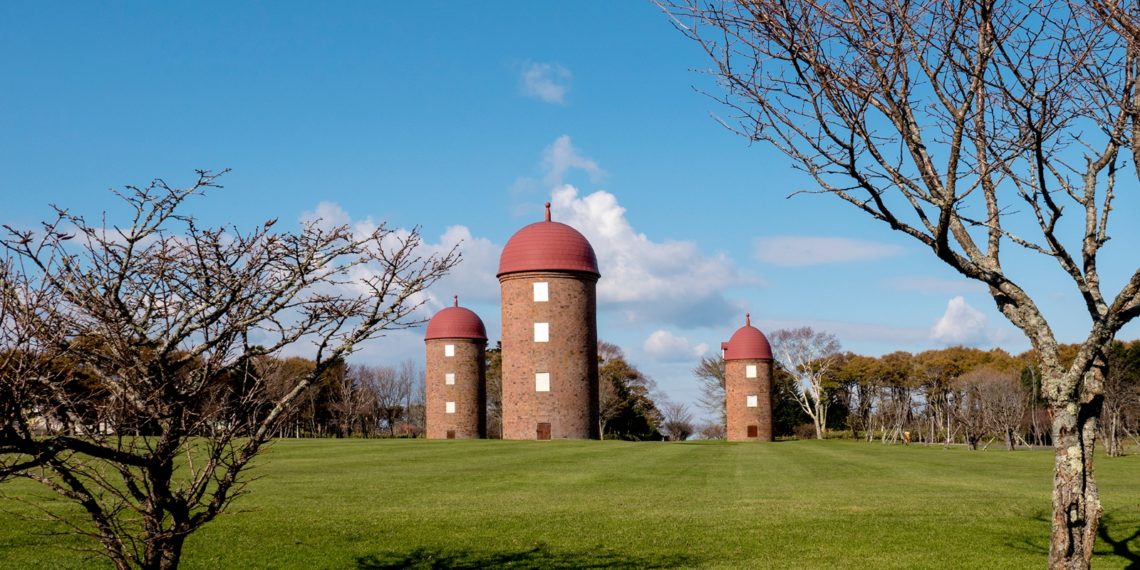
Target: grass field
{"type": "Point", "coordinates": [375, 504]}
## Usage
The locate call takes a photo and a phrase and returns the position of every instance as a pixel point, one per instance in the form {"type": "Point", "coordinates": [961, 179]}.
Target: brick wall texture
{"type": "Point", "coordinates": [571, 356]}
{"type": "Point", "coordinates": [469, 391]}
{"type": "Point", "coordinates": [737, 389]}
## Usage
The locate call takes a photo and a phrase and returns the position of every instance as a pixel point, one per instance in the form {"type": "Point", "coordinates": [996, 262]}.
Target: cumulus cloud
{"type": "Point", "coordinates": [666, 281]}
{"type": "Point", "coordinates": [327, 215]}
{"type": "Point", "coordinates": [933, 285]}
{"type": "Point", "coordinates": [547, 82]}
{"type": "Point", "coordinates": [474, 278]}
{"type": "Point", "coordinates": [561, 157]}
{"type": "Point", "coordinates": [642, 280]}
{"type": "Point", "coordinates": [796, 251]}
{"type": "Point", "coordinates": [667, 347]}
{"type": "Point", "coordinates": [960, 324]}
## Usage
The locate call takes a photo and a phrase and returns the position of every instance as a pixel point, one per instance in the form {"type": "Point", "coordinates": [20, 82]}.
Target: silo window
{"type": "Point", "coordinates": [750, 371]}
{"type": "Point", "coordinates": [449, 350]}
{"type": "Point", "coordinates": [541, 292]}
{"type": "Point", "coordinates": [449, 378]}
{"type": "Point", "coordinates": [541, 332]}
{"type": "Point", "coordinates": [449, 407]}
{"type": "Point", "coordinates": [542, 382]}
{"type": "Point", "coordinates": [752, 403]}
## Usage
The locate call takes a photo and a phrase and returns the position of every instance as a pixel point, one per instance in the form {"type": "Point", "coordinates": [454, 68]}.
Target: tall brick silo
{"type": "Point", "coordinates": [748, 384]}
{"type": "Point", "coordinates": [549, 275]}
{"type": "Point", "coordinates": [456, 390]}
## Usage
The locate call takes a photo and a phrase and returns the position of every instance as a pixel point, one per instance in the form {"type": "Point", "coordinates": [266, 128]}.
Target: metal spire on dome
{"type": "Point", "coordinates": [747, 319]}
{"type": "Point", "coordinates": [457, 300]}
{"type": "Point", "coordinates": [548, 211]}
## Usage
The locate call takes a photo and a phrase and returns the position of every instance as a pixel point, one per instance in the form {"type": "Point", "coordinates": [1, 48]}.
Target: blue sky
{"type": "Point", "coordinates": [464, 118]}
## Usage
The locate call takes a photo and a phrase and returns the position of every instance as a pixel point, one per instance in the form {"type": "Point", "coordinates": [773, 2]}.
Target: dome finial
{"type": "Point", "coordinates": [548, 211]}
{"type": "Point", "coordinates": [457, 300]}
{"type": "Point", "coordinates": [747, 319]}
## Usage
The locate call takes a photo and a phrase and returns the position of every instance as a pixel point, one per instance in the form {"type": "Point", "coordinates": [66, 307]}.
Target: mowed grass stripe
{"type": "Point", "coordinates": [567, 504]}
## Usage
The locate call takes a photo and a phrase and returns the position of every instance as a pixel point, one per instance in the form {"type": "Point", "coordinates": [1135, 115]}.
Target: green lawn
{"type": "Point", "coordinates": [473, 504]}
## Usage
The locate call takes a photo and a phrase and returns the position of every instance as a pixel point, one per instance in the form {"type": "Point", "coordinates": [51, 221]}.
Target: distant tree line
{"type": "Point", "coordinates": [343, 401]}
{"type": "Point", "coordinates": [953, 395]}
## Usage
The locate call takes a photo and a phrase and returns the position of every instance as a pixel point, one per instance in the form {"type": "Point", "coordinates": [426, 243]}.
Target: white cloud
{"type": "Point", "coordinates": [961, 324]}
{"type": "Point", "coordinates": [933, 285]}
{"type": "Point", "coordinates": [665, 281]}
{"type": "Point", "coordinates": [644, 280]}
{"type": "Point", "coordinates": [474, 278]}
{"type": "Point", "coordinates": [561, 156]}
{"type": "Point", "coordinates": [797, 251]}
{"type": "Point", "coordinates": [667, 347]}
{"type": "Point", "coordinates": [328, 214]}
{"type": "Point", "coordinates": [548, 82]}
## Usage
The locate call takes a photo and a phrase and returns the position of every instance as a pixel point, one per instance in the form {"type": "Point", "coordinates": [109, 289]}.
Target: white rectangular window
{"type": "Point", "coordinates": [541, 292]}
{"type": "Point", "coordinates": [541, 332]}
{"type": "Point", "coordinates": [752, 402]}
{"type": "Point", "coordinates": [449, 407]}
{"type": "Point", "coordinates": [750, 371]}
{"type": "Point", "coordinates": [542, 382]}
{"type": "Point", "coordinates": [449, 350]}
{"type": "Point", "coordinates": [449, 378]}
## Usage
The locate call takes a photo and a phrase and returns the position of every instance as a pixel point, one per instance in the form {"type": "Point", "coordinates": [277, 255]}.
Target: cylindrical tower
{"type": "Point", "coordinates": [549, 275]}
{"type": "Point", "coordinates": [748, 384]}
{"type": "Point", "coordinates": [455, 394]}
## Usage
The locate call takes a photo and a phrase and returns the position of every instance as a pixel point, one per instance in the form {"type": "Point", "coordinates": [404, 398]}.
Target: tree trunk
{"type": "Point", "coordinates": [163, 554]}
{"type": "Point", "coordinates": [1076, 505]}
{"type": "Point", "coordinates": [1009, 439]}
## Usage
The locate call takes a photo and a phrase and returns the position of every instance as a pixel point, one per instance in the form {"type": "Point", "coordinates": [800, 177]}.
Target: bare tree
{"type": "Point", "coordinates": [711, 430]}
{"type": "Point", "coordinates": [676, 421]}
{"type": "Point", "coordinates": [1121, 394]}
{"type": "Point", "coordinates": [169, 324]}
{"type": "Point", "coordinates": [965, 404]}
{"type": "Point", "coordinates": [809, 357]}
{"type": "Point", "coordinates": [710, 375]}
{"type": "Point", "coordinates": [390, 393]}
{"type": "Point", "coordinates": [972, 128]}
{"type": "Point", "coordinates": [353, 403]}
{"type": "Point", "coordinates": [414, 384]}
{"type": "Point", "coordinates": [1004, 401]}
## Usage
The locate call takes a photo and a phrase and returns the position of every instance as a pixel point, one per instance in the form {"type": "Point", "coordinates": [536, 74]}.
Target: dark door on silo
{"type": "Point", "coordinates": [450, 434]}
{"type": "Point", "coordinates": [753, 431]}
{"type": "Point", "coordinates": [544, 430]}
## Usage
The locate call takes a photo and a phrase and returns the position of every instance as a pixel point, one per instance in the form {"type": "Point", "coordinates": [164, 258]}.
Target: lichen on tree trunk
{"type": "Point", "coordinates": [1076, 503]}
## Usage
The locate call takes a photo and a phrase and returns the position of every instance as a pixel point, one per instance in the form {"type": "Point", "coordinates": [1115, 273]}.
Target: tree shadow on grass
{"type": "Point", "coordinates": [1126, 547]}
{"type": "Point", "coordinates": [540, 556]}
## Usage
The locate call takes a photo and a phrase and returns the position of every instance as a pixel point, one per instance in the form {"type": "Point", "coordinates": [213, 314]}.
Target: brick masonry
{"type": "Point", "coordinates": [469, 391]}
{"type": "Point", "coordinates": [571, 355]}
{"type": "Point", "coordinates": [737, 389]}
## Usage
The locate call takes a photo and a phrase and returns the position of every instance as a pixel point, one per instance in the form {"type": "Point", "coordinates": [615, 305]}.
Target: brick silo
{"type": "Point", "coordinates": [455, 394]}
{"type": "Point", "coordinates": [748, 384]}
{"type": "Point", "coordinates": [549, 275]}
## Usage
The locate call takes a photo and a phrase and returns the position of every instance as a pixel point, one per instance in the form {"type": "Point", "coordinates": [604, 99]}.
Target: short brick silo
{"type": "Point", "coordinates": [748, 384]}
{"type": "Point", "coordinates": [549, 273]}
{"type": "Point", "coordinates": [456, 390]}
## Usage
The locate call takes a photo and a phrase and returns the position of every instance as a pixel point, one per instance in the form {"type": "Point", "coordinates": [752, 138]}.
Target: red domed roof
{"type": "Point", "coordinates": [545, 246]}
{"type": "Point", "coordinates": [747, 343]}
{"type": "Point", "coordinates": [456, 322]}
